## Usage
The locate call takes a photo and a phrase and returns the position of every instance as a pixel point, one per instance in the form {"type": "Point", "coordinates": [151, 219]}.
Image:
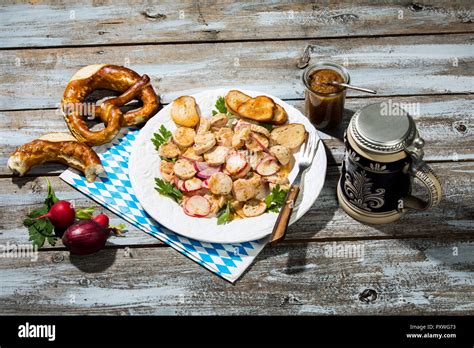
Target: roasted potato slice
{"type": "Point", "coordinates": [290, 136]}
{"type": "Point", "coordinates": [234, 99]}
{"type": "Point", "coordinates": [259, 109]}
{"type": "Point", "coordinates": [279, 115]}
{"type": "Point", "coordinates": [184, 112]}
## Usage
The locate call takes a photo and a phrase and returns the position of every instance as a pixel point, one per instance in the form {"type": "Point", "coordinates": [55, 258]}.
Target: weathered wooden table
{"type": "Point", "coordinates": [408, 52]}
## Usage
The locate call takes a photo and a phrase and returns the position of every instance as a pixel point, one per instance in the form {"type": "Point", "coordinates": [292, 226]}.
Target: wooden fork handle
{"type": "Point", "coordinates": [281, 224]}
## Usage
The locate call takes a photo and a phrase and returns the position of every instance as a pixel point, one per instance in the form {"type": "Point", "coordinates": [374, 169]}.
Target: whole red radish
{"type": "Point", "coordinates": [61, 214]}
{"type": "Point", "coordinates": [85, 237]}
{"type": "Point", "coordinates": [102, 220]}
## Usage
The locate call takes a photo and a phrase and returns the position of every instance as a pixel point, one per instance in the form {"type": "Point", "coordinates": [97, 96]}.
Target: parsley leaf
{"type": "Point", "coordinates": [225, 215]}
{"type": "Point", "coordinates": [220, 105]}
{"type": "Point", "coordinates": [222, 108]}
{"type": "Point", "coordinates": [161, 137]}
{"type": "Point", "coordinates": [42, 229]}
{"type": "Point", "coordinates": [276, 199]}
{"type": "Point", "coordinates": [172, 160]}
{"type": "Point", "coordinates": [269, 127]}
{"type": "Point", "coordinates": [39, 229]}
{"type": "Point", "coordinates": [167, 189]}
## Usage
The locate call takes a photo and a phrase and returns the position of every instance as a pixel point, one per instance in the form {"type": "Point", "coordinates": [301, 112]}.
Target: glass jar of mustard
{"type": "Point", "coordinates": [324, 103]}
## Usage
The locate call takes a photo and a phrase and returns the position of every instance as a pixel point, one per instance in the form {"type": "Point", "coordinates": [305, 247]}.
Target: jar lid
{"type": "Point", "coordinates": [383, 128]}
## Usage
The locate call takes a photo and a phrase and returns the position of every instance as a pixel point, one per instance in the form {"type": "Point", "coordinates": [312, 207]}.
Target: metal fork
{"type": "Point", "coordinates": [307, 155]}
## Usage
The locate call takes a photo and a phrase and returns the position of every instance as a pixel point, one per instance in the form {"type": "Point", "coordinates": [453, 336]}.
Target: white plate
{"type": "Point", "coordinates": [144, 167]}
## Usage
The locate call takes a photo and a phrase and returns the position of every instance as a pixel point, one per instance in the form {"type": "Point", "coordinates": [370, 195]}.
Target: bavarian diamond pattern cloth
{"type": "Point", "coordinates": [114, 191]}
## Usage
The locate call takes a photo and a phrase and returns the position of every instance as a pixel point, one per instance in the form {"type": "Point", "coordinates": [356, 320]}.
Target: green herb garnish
{"type": "Point", "coordinates": [269, 127]}
{"type": "Point", "coordinates": [119, 226]}
{"type": "Point", "coordinates": [172, 160]}
{"type": "Point", "coordinates": [167, 189]}
{"type": "Point", "coordinates": [276, 199]}
{"type": "Point", "coordinates": [117, 230]}
{"type": "Point", "coordinates": [161, 137]}
{"type": "Point", "coordinates": [225, 215]}
{"type": "Point", "coordinates": [220, 106]}
{"type": "Point", "coordinates": [42, 229]}
{"type": "Point", "coordinates": [85, 213]}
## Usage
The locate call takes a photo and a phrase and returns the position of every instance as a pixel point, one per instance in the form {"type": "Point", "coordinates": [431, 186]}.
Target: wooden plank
{"type": "Point", "coordinates": [33, 79]}
{"type": "Point", "coordinates": [454, 217]}
{"type": "Point", "coordinates": [124, 22]}
{"type": "Point", "coordinates": [439, 123]}
{"type": "Point", "coordinates": [29, 193]}
{"type": "Point", "coordinates": [409, 278]}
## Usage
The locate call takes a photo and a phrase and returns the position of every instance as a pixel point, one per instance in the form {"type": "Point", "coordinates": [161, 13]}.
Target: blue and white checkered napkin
{"type": "Point", "coordinates": [114, 191]}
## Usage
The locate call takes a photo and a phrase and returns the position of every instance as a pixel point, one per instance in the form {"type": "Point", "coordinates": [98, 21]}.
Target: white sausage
{"type": "Point", "coordinates": [254, 207]}
{"type": "Point", "coordinates": [204, 126]}
{"type": "Point", "coordinates": [184, 169]}
{"type": "Point", "coordinates": [169, 150]}
{"type": "Point", "coordinates": [244, 189]}
{"type": "Point", "coordinates": [167, 172]}
{"type": "Point", "coordinates": [224, 136]}
{"type": "Point", "coordinates": [218, 121]}
{"type": "Point", "coordinates": [204, 142]}
{"type": "Point", "coordinates": [217, 155]}
{"type": "Point", "coordinates": [184, 137]}
{"type": "Point", "coordinates": [220, 184]}
{"type": "Point", "coordinates": [282, 154]}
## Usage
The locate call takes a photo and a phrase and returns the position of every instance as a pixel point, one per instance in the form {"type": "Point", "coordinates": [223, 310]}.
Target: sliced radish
{"type": "Point", "coordinates": [267, 166]}
{"type": "Point", "coordinates": [241, 124]}
{"type": "Point", "coordinates": [188, 158]}
{"type": "Point", "coordinates": [236, 163]}
{"type": "Point", "coordinates": [192, 185]}
{"type": "Point", "coordinates": [264, 148]}
{"type": "Point", "coordinates": [207, 173]}
{"type": "Point", "coordinates": [243, 172]}
{"type": "Point", "coordinates": [180, 185]}
{"type": "Point", "coordinates": [205, 184]}
{"type": "Point", "coordinates": [197, 206]}
{"type": "Point", "coordinates": [200, 166]}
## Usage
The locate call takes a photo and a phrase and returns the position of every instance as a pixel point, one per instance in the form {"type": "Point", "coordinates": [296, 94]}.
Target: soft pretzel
{"type": "Point", "coordinates": [56, 147]}
{"type": "Point", "coordinates": [109, 77]}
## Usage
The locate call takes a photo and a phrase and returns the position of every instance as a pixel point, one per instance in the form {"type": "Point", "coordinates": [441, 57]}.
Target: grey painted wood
{"type": "Point", "coordinates": [409, 276]}
{"type": "Point", "coordinates": [420, 265]}
{"type": "Point", "coordinates": [454, 218]}
{"type": "Point", "coordinates": [124, 22]}
{"type": "Point", "coordinates": [409, 65]}
{"type": "Point", "coordinates": [439, 122]}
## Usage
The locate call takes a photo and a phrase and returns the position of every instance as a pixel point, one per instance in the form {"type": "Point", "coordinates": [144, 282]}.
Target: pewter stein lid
{"type": "Point", "coordinates": [384, 128]}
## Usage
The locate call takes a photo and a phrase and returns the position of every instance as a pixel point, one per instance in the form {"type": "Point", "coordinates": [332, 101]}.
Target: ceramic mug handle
{"type": "Point", "coordinates": [430, 182]}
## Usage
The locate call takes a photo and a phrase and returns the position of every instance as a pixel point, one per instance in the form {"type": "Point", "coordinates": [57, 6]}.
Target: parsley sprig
{"type": "Point", "coordinates": [42, 229]}
{"type": "Point", "coordinates": [222, 108]}
{"type": "Point", "coordinates": [172, 160]}
{"type": "Point", "coordinates": [276, 199]}
{"type": "Point", "coordinates": [268, 126]}
{"type": "Point", "coordinates": [225, 215]}
{"type": "Point", "coordinates": [167, 189]}
{"type": "Point", "coordinates": [161, 137]}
